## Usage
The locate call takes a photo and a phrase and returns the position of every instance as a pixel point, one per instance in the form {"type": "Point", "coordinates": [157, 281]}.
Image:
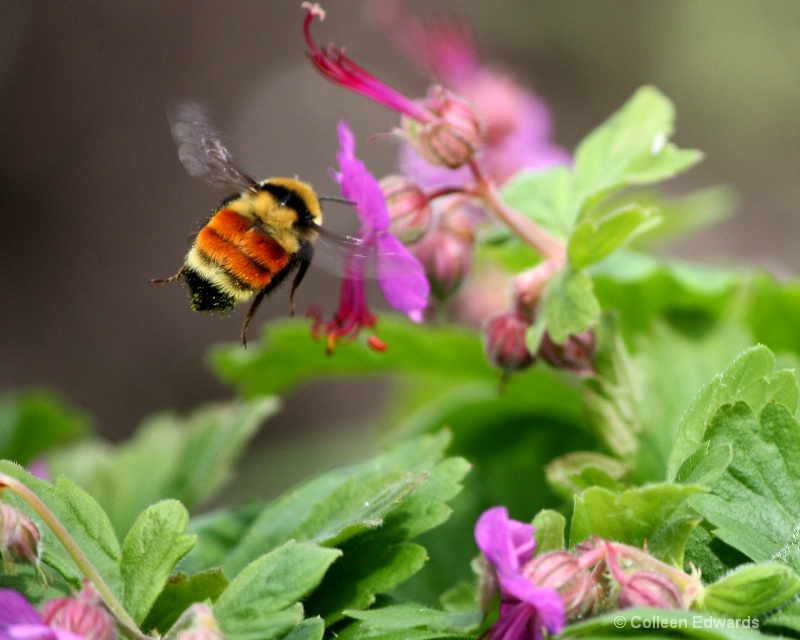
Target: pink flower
{"type": "Point", "coordinates": [399, 273]}
{"type": "Point", "coordinates": [517, 125]}
{"type": "Point", "coordinates": [20, 621]}
{"type": "Point", "coordinates": [443, 127]}
{"type": "Point", "coordinates": [525, 609]}
{"type": "Point", "coordinates": [331, 62]}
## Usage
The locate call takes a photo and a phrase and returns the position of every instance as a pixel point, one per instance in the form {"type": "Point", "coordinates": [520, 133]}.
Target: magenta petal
{"type": "Point", "coordinates": [506, 543]}
{"type": "Point", "coordinates": [401, 277]}
{"type": "Point", "coordinates": [546, 601]}
{"type": "Point", "coordinates": [358, 184]}
{"type": "Point", "coordinates": [14, 608]}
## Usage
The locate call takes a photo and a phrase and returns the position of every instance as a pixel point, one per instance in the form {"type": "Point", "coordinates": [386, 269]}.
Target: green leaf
{"type": "Point", "coordinates": [755, 504]}
{"type": "Point", "coordinates": [548, 527]}
{"type": "Point", "coordinates": [31, 422]}
{"type": "Point", "coordinates": [414, 616]}
{"type": "Point", "coordinates": [568, 306]}
{"type": "Point", "coordinates": [261, 599]}
{"type": "Point", "coordinates": [633, 517]}
{"type": "Point", "coordinates": [308, 629]}
{"type": "Point", "coordinates": [180, 592]}
{"type": "Point", "coordinates": [593, 240]}
{"type": "Point", "coordinates": [371, 565]}
{"type": "Point", "coordinates": [345, 501]}
{"type": "Point", "coordinates": [575, 472]}
{"type": "Point", "coordinates": [152, 548]}
{"type": "Point", "coordinates": [631, 148]}
{"type": "Point", "coordinates": [82, 517]}
{"type": "Point", "coordinates": [705, 465]}
{"type": "Point", "coordinates": [378, 560]}
{"type": "Point", "coordinates": [751, 378]}
{"type": "Point", "coordinates": [545, 196]}
{"type": "Point", "coordinates": [751, 590]}
{"type": "Point", "coordinates": [679, 216]}
{"type": "Point", "coordinates": [168, 457]}
{"type": "Point", "coordinates": [288, 356]}
{"type": "Point", "coordinates": [787, 617]}
{"type": "Point", "coordinates": [612, 399]}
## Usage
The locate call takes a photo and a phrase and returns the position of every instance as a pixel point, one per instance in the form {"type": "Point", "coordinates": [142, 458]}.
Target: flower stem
{"type": "Point", "coordinates": [84, 565]}
{"type": "Point", "coordinates": [530, 232]}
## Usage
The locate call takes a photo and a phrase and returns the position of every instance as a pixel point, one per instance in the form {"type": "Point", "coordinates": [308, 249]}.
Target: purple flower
{"type": "Point", "coordinates": [331, 62]}
{"type": "Point", "coordinates": [525, 609]}
{"type": "Point", "coordinates": [20, 621]}
{"type": "Point", "coordinates": [516, 122]}
{"type": "Point", "coordinates": [399, 273]}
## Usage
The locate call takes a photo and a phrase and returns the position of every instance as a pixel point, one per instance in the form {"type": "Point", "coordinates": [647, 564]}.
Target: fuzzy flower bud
{"type": "Point", "coordinates": [196, 623]}
{"type": "Point", "coordinates": [19, 537]}
{"type": "Point", "coordinates": [504, 341]}
{"type": "Point", "coordinates": [409, 209]}
{"type": "Point", "coordinates": [646, 588]}
{"type": "Point", "coordinates": [576, 354]}
{"type": "Point", "coordinates": [560, 570]}
{"type": "Point", "coordinates": [452, 136]}
{"type": "Point", "coordinates": [85, 616]}
{"type": "Point", "coordinates": [446, 251]}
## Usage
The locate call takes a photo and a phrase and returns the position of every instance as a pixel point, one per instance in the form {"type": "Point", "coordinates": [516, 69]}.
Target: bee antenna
{"type": "Point", "coordinates": [337, 199]}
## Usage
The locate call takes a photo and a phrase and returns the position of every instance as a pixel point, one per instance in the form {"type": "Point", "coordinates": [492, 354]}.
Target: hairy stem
{"type": "Point", "coordinates": [528, 231]}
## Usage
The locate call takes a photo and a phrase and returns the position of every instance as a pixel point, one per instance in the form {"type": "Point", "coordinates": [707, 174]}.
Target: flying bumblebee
{"type": "Point", "coordinates": [256, 238]}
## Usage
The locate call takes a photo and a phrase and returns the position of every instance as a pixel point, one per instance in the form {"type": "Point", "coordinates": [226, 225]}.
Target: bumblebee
{"type": "Point", "coordinates": [256, 238]}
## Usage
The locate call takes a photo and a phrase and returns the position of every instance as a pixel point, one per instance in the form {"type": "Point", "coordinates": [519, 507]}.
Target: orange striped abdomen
{"type": "Point", "coordinates": [244, 252]}
{"type": "Point", "coordinates": [230, 261]}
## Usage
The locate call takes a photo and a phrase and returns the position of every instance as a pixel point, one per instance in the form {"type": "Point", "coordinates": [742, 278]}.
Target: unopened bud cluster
{"type": "Point", "coordinates": [601, 576]}
{"type": "Point", "coordinates": [506, 347]}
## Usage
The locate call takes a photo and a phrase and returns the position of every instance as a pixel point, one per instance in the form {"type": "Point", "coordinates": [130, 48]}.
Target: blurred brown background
{"type": "Point", "coordinates": [95, 203]}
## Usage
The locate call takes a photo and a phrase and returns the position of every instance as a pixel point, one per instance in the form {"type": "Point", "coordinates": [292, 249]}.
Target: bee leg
{"type": "Point", "coordinates": [250, 313]}
{"type": "Point", "coordinates": [306, 253]}
{"type": "Point", "coordinates": [170, 279]}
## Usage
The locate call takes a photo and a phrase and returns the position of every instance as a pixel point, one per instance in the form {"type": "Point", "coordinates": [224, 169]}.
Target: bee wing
{"type": "Point", "coordinates": [346, 255]}
{"type": "Point", "coordinates": [201, 149]}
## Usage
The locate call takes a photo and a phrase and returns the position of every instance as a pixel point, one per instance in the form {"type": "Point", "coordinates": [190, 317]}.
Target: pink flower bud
{"type": "Point", "coordinates": [560, 570]}
{"type": "Point", "coordinates": [19, 537]}
{"type": "Point", "coordinates": [504, 341]}
{"type": "Point", "coordinates": [409, 209]}
{"type": "Point", "coordinates": [576, 354]}
{"type": "Point", "coordinates": [452, 136]}
{"type": "Point", "coordinates": [645, 588]}
{"type": "Point", "coordinates": [446, 259]}
{"type": "Point", "coordinates": [196, 623]}
{"type": "Point", "coordinates": [85, 616]}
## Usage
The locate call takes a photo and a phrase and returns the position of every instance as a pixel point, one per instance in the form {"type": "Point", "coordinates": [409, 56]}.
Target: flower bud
{"type": "Point", "coordinates": [196, 623]}
{"type": "Point", "coordinates": [504, 341]}
{"type": "Point", "coordinates": [560, 570]}
{"type": "Point", "coordinates": [576, 354]}
{"type": "Point", "coordinates": [645, 588]}
{"type": "Point", "coordinates": [453, 136]}
{"type": "Point", "coordinates": [446, 259]}
{"type": "Point", "coordinates": [409, 209]}
{"type": "Point", "coordinates": [19, 537]}
{"type": "Point", "coordinates": [85, 615]}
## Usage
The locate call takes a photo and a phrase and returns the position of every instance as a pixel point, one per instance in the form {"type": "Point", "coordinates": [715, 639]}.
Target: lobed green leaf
{"type": "Point", "coordinates": [150, 552]}
{"type": "Point", "coordinates": [593, 240]}
{"type": "Point", "coordinates": [261, 599]}
{"type": "Point", "coordinates": [751, 590]}
{"type": "Point", "coordinates": [631, 148]}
